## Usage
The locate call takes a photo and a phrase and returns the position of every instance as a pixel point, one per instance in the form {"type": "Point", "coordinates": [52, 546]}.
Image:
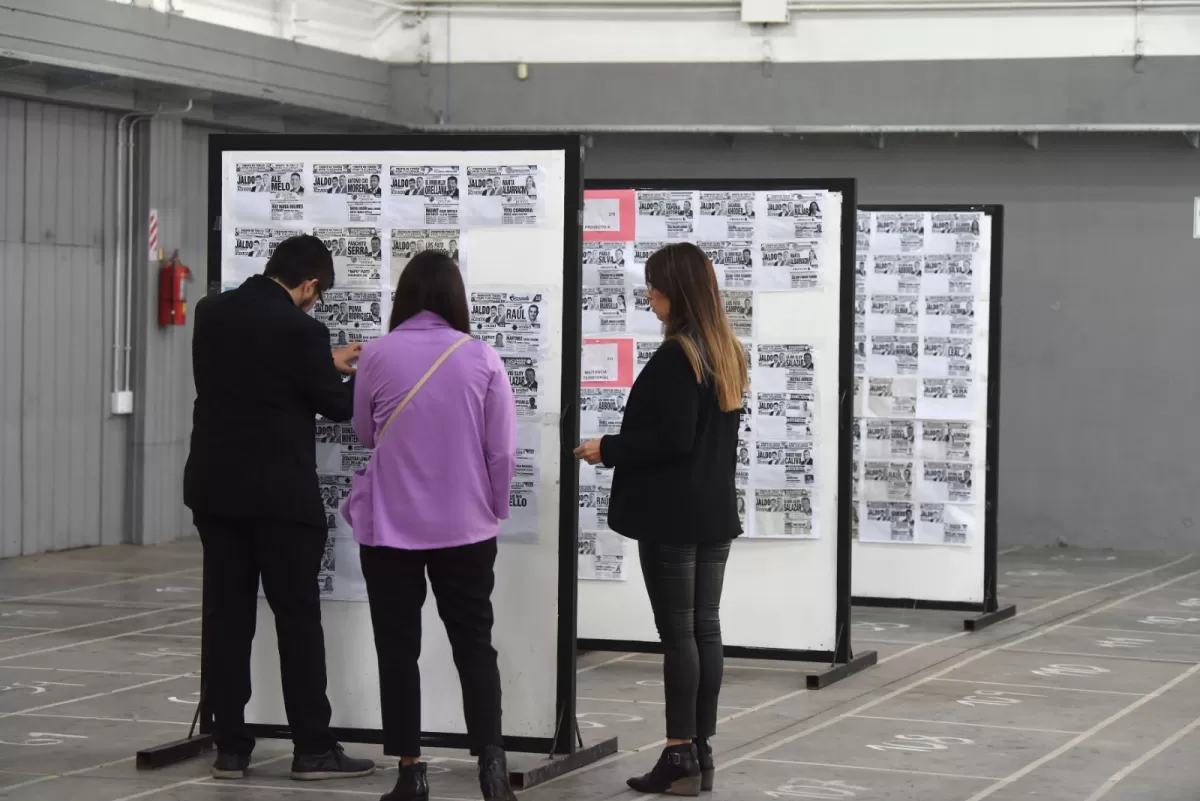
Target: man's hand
{"type": "Point", "coordinates": [589, 452]}
{"type": "Point", "coordinates": [343, 356]}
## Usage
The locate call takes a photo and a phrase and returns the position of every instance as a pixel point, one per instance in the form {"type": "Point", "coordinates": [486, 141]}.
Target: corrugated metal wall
{"type": "Point", "coordinates": [62, 456]}
{"type": "Point", "coordinates": [72, 474]}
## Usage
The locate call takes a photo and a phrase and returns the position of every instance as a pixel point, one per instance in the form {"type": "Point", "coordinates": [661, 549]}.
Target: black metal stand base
{"type": "Point", "coordinates": [160, 756]}
{"type": "Point", "coordinates": [562, 764]}
{"type": "Point", "coordinates": [834, 673]}
{"type": "Point", "coordinates": [989, 618]}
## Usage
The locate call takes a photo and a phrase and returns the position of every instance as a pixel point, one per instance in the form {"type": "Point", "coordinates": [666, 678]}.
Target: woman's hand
{"type": "Point", "coordinates": [589, 451]}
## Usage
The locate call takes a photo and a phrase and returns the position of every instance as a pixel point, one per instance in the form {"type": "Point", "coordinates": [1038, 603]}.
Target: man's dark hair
{"type": "Point", "coordinates": [431, 282]}
{"type": "Point", "coordinates": [301, 258]}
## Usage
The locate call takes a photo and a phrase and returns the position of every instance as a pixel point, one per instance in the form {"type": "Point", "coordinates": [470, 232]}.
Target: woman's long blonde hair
{"type": "Point", "coordinates": [697, 319]}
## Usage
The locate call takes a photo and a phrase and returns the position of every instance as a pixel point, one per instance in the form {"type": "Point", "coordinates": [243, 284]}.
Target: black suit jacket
{"type": "Point", "coordinates": [675, 458]}
{"type": "Point", "coordinates": [263, 371]}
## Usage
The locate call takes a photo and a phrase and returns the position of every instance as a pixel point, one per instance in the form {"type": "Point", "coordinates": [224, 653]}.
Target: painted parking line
{"type": "Point", "coordinates": [966, 660]}
{"type": "Point", "coordinates": [874, 769]}
{"type": "Point", "coordinates": [788, 696]}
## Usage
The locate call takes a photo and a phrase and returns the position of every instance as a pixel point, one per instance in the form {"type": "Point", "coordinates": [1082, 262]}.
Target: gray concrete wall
{"type": "Point", "coordinates": [1100, 377]}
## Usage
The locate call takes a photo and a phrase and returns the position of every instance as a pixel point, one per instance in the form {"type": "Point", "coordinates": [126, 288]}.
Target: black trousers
{"type": "Point", "coordinates": [684, 583]}
{"type": "Point", "coordinates": [462, 580]}
{"type": "Point", "coordinates": [287, 557]}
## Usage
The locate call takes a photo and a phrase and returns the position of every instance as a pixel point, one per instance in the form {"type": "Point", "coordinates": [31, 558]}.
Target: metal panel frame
{"type": "Point", "coordinates": [990, 610]}
{"type": "Point", "coordinates": [565, 741]}
{"type": "Point", "coordinates": [842, 660]}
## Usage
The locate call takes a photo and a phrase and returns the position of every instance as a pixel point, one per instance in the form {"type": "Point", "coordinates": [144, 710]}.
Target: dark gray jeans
{"type": "Point", "coordinates": [684, 583]}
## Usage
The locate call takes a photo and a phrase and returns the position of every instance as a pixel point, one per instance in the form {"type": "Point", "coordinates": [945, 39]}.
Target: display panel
{"type": "Point", "coordinates": [782, 252]}
{"type": "Point", "coordinates": [924, 403]}
{"type": "Point", "coordinates": [506, 208]}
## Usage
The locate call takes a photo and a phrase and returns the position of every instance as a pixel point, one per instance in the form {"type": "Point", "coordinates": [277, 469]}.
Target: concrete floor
{"type": "Point", "coordinates": [1091, 692]}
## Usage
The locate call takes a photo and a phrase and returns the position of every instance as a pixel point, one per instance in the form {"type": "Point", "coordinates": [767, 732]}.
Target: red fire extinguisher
{"type": "Point", "coordinates": [172, 292]}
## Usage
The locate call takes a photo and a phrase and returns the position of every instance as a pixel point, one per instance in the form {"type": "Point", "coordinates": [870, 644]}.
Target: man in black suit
{"type": "Point", "coordinates": [263, 371]}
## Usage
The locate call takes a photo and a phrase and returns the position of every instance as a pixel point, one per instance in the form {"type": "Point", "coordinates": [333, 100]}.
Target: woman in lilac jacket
{"type": "Point", "coordinates": [437, 407]}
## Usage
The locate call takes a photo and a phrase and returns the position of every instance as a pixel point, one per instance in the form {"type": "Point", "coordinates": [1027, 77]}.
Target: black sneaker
{"type": "Point", "coordinates": [413, 784]}
{"type": "Point", "coordinates": [493, 775]}
{"type": "Point", "coordinates": [676, 773]}
{"type": "Point", "coordinates": [230, 766]}
{"type": "Point", "coordinates": [333, 764]}
{"type": "Point", "coordinates": [707, 770]}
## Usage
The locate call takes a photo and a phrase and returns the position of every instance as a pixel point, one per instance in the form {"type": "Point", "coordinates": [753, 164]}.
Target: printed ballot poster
{"type": "Point", "coordinates": [601, 556]}
{"type": "Point", "coordinates": [509, 321]}
{"type": "Point", "coordinates": [346, 193]}
{"type": "Point", "coordinates": [351, 315]}
{"type": "Point", "coordinates": [408, 242]}
{"type": "Point", "coordinates": [424, 196]}
{"type": "Point", "coordinates": [921, 358]}
{"type": "Point", "coordinates": [270, 192]}
{"type": "Point", "coordinates": [357, 254]}
{"type": "Point", "coordinates": [504, 196]}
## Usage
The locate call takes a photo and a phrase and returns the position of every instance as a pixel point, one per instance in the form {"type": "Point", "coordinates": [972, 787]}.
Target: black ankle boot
{"type": "Point", "coordinates": [704, 752]}
{"type": "Point", "coordinates": [676, 773]}
{"type": "Point", "coordinates": [413, 784]}
{"type": "Point", "coordinates": [493, 775]}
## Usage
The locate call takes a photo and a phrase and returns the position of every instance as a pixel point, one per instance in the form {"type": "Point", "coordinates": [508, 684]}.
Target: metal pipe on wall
{"type": "Point", "coordinates": [121, 402]}
{"type": "Point", "coordinates": [122, 399]}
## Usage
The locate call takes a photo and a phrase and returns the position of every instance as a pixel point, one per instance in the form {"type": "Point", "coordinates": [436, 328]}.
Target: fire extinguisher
{"type": "Point", "coordinates": [172, 291]}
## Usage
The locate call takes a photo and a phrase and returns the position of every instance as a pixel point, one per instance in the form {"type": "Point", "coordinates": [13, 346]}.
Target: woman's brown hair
{"type": "Point", "coordinates": [697, 319]}
{"type": "Point", "coordinates": [431, 281]}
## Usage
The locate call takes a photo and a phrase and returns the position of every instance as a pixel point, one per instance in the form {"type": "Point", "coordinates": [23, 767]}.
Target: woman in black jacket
{"type": "Point", "coordinates": [673, 491]}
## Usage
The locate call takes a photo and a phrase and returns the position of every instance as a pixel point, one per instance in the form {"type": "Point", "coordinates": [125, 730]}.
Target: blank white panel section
{"type": "Point", "coordinates": [525, 636]}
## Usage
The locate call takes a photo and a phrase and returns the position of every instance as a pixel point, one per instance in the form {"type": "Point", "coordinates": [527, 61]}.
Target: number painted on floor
{"type": "Point", "coordinates": [995, 698]}
{"type": "Point", "coordinates": [38, 739]}
{"type": "Point", "coordinates": [1070, 670]}
{"type": "Point", "coordinates": [36, 687]}
{"type": "Point", "coordinates": [870, 625]}
{"type": "Point", "coordinates": [1123, 642]}
{"type": "Point", "coordinates": [816, 788]}
{"type": "Point", "coordinates": [586, 722]}
{"type": "Point", "coordinates": [920, 743]}
{"type": "Point", "coordinates": [1168, 620]}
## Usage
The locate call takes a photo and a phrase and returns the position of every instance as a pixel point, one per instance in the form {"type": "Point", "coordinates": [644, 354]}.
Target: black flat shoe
{"type": "Point", "coordinates": [677, 772]}
{"type": "Point", "coordinates": [413, 784]}
{"type": "Point", "coordinates": [493, 775]}
{"type": "Point", "coordinates": [333, 764]}
{"type": "Point", "coordinates": [230, 766]}
{"type": "Point", "coordinates": [707, 770]}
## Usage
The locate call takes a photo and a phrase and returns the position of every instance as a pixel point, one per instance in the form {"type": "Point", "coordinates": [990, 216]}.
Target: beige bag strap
{"type": "Point", "coordinates": [428, 374]}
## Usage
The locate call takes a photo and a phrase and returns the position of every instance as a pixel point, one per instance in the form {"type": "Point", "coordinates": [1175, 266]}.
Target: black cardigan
{"type": "Point", "coordinates": [675, 458]}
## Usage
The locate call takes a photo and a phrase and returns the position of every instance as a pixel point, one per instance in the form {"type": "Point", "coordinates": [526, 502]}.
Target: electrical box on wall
{"type": "Point", "coordinates": [765, 12]}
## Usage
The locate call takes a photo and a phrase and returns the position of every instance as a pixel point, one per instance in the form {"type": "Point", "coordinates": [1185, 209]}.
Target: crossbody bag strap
{"type": "Point", "coordinates": [428, 374]}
